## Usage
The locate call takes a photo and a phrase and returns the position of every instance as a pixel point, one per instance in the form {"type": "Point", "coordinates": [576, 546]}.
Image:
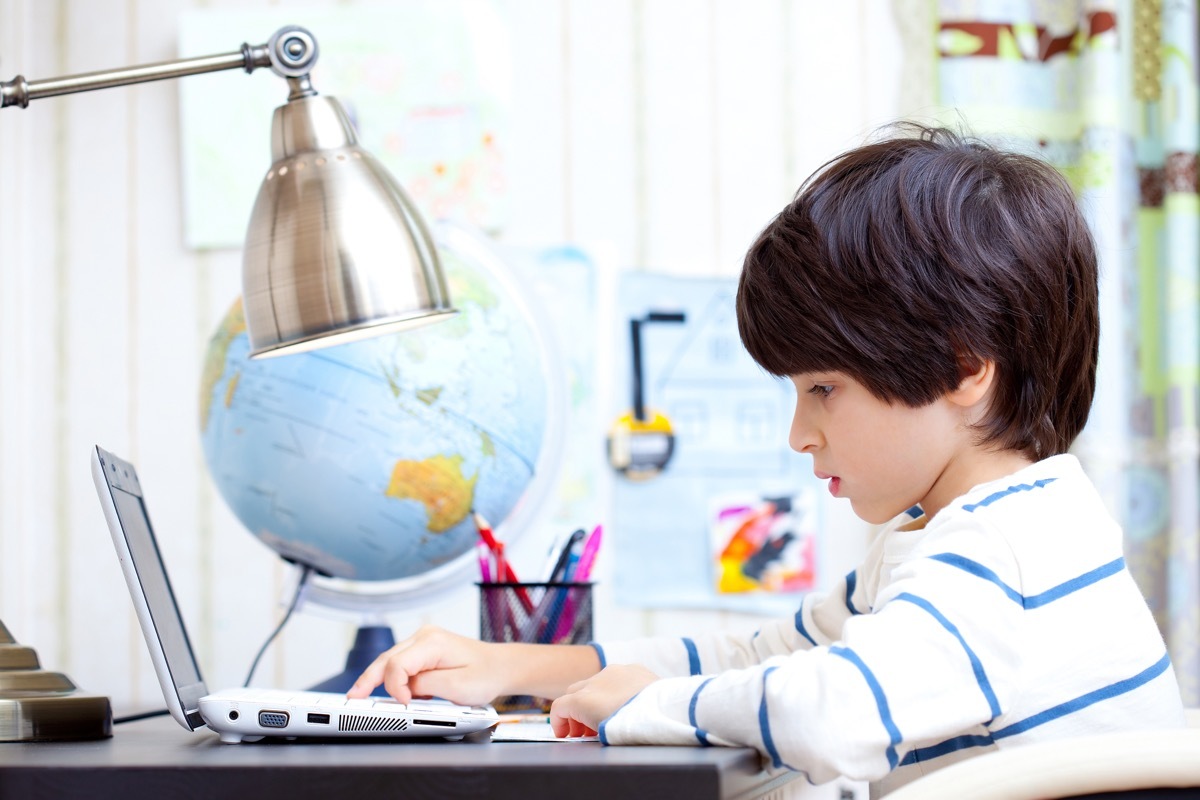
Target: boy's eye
{"type": "Point", "coordinates": [820, 390]}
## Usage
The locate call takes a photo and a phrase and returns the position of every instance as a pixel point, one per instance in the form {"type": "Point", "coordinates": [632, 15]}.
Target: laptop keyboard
{"type": "Point", "coordinates": [333, 700]}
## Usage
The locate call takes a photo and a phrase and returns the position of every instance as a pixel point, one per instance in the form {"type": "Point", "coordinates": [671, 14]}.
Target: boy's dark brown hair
{"type": "Point", "coordinates": [907, 262]}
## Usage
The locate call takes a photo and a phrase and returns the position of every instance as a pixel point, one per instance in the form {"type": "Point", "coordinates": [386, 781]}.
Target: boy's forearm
{"type": "Point", "coordinates": [546, 670]}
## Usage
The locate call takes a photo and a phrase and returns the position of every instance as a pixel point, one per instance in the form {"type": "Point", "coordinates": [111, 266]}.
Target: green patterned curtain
{"type": "Point", "coordinates": [1107, 91]}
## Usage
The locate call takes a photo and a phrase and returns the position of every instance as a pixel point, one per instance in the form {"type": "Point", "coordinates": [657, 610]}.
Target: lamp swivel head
{"type": "Point", "coordinates": [293, 51]}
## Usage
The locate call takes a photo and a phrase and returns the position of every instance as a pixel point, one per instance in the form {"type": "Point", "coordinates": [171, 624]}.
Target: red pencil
{"type": "Point", "coordinates": [504, 571]}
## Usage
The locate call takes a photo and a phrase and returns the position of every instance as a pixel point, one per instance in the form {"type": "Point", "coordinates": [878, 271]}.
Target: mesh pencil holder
{"type": "Point", "coordinates": [534, 613]}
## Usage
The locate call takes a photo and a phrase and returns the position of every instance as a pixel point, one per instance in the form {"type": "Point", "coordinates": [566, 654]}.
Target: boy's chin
{"type": "Point", "coordinates": [874, 515]}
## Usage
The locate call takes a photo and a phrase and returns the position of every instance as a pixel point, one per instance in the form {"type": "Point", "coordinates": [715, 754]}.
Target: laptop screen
{"type": "Point", "coordinates": [150, 587]}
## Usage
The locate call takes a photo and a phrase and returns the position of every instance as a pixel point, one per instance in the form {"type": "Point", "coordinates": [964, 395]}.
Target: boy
{"type": "Point", "coordinates": [934, 301]}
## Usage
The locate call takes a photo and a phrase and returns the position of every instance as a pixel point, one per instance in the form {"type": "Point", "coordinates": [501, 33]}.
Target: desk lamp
{"type": "Point", "coordinates": [335, 251]}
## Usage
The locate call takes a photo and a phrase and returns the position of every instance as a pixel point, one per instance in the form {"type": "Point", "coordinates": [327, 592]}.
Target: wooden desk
{"type": "Point", "coordinates": [156, 758]}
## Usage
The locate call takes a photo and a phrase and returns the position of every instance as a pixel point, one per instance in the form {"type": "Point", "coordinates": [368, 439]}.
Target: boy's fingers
{"type": "Point", "coordinates": [402, 669]}
{"type": "Point", "coordinates": [559, 722]}
{"type": "Point", "coordinates": [424, 665]}
{"type": "Point", "coordinates": [442, 683]}
{"type": "Point", "coordinates": [375, 674]}
{"type": "Point", "coordinates": [560, 726]}
{"type": "Point", "coordinates": [565, 725]}
{"type": "Point", "coordinates": [371, 677]}
{"type": "Point", "coordinates": [564, 713]}
{"type": "Point", "coordinates": [395, 681]}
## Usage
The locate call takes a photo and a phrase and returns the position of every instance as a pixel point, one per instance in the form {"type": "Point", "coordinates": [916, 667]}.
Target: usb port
{"type": "Point", "coordinates": [319, 719]}
{"type": "Point", "coordinates": [438, 723]}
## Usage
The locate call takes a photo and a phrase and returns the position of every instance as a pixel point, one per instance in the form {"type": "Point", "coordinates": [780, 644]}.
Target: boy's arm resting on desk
{"type": "Point", "coordinates": [546, 670]}
{"type": "Point", "coordinates": [896, 676]}
{"type": "Point", "coordinates": [640, 662]}
{"type": "Point", "coordinates": [435, 662]}
{"type": "Point", "coordinates": [818, 621]}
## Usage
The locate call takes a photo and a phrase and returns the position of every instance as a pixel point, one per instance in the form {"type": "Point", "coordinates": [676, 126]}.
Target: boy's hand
{"type": "Point", "coordinates": [434, 663]}
{"type": "Point", "coordinates": [589, 702]}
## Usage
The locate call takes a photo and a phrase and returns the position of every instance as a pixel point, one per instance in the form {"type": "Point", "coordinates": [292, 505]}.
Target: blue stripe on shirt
{"type": "Point", "coordinates": [979, 571]}
{"type": "Point", "coordinates": [1035, 600]}
{"type": "Point", "coordinates": [693, 656]}
{"type": "Point", "coordinates": [604, 724]}
{"type": "Point", "coordinates": [701, 734]}
{"type": "Point", "coordinates": [1075, 584]}
{"type": "Point", "coordinates": [885, 714]}
{"type": "Point", "coordinates": [1049, 715]}
{"type": "Point", "coordinates": [600, 652]}
{"type": "Point", "coordinates": [800, 626]}
{"type": "Point", "coordinates": [764, 722]}
{"type": "Point", "coordinates": [948, 746]}
{"type": "Point", "coordinates": [851, 581]}
{"type": "Point", "coordinates": [980, 676]}
{"type": "Point", "coordinates": [1000, 495]}
{"type": "Point", "coordinates": [1085, 700]}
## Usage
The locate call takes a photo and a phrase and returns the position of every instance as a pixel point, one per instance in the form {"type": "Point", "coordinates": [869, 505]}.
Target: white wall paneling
{"type": "Point", "coordinates": [662, 133]}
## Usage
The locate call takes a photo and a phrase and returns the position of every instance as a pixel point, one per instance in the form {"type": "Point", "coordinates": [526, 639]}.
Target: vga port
{"type": "Point", "coordinates": [273, 719]}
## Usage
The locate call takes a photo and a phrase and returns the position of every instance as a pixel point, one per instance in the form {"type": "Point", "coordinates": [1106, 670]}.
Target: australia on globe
{"type": "Point", "coordinates": [365, 460]}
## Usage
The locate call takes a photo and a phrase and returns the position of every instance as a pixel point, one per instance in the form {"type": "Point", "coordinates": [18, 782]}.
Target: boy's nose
{"type": "Point", "coordinates": [803, 438]}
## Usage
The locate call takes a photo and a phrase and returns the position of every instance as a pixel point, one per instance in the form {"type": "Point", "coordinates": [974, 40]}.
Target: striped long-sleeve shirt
{"type": "Point", "coordinates": [1008, 618]}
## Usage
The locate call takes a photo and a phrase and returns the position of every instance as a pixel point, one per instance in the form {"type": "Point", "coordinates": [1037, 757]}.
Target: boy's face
{"type": "Point", "coordinates": [884, 458]}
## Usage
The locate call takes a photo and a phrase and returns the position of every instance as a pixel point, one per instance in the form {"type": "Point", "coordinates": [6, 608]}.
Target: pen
{"type": "Point", "coordinates": [588, 557]}
{"type": "Point", "coordinates": [572, 562]}
{"type": "Point", "coordinates": [562, 607]}
{"type": "Point", "coordinates": [553, 555]}
{"type": "Point", "coordinates": [559, 573]}
{"type": "Point", "coordinates": [523, 718]}
{"type": "Point", "coordinates": [563, 620]}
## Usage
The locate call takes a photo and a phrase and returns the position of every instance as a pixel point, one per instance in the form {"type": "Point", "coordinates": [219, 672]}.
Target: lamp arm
{"type": "Point", "coordinates": [290, 53]}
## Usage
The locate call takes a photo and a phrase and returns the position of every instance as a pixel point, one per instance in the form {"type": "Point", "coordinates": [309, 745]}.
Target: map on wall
{"type": "Point", "coordinates": [675, 533]}
{"type": "Point", "coordinates": [426, 82]}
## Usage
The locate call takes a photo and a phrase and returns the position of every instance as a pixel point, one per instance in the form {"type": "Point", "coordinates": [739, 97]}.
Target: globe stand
{"type": "Point", "coordinates": [369, 642]}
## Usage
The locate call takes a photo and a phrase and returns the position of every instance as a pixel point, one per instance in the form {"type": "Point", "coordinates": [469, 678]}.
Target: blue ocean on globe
{"type": "Point", "coordinates": [365, 460]}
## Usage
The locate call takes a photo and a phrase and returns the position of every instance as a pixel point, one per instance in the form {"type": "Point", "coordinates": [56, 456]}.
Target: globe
{"type": "Point", "coordinates": [366, 460]}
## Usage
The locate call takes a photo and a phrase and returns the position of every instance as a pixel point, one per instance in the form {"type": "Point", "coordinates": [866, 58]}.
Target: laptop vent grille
{"type": "Point", "coordinates": [352, 722]}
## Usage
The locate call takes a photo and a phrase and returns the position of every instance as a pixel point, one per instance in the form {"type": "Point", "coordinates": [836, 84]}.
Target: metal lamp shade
{"type": "Point", "coordinates": [335, 250]}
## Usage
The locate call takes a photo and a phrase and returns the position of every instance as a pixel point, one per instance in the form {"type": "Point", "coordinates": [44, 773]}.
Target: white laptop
{"type": "Point", "coordinates": [244, 714]}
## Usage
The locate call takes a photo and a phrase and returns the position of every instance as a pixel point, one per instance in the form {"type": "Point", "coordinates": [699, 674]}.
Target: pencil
{"type": "Point", "coordinates": [504, 571]}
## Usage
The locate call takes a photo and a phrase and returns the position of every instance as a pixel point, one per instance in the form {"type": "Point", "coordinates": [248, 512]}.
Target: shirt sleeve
{"type": "Point", "coordinates": [818, 621]}
{"type": "Point", "coordinates": [934, 658]}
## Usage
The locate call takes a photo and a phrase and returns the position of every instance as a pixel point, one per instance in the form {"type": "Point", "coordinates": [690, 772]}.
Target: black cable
{"type": "Point", "coordinates": [162, 712]}
{"type": "Point", "coordinates": [304, 576]}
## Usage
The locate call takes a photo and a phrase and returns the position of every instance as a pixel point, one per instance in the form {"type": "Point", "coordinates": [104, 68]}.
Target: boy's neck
{"type": "Point", "coordinates": [973, 468]}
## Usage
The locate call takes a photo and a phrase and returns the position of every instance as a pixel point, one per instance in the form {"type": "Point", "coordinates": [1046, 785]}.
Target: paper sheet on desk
{"type": "Point", "coordinates": [531, 731]}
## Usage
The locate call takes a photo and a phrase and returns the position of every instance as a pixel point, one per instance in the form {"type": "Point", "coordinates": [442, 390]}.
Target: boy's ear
{"type": "Point", "coordinates": [974, 386]}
